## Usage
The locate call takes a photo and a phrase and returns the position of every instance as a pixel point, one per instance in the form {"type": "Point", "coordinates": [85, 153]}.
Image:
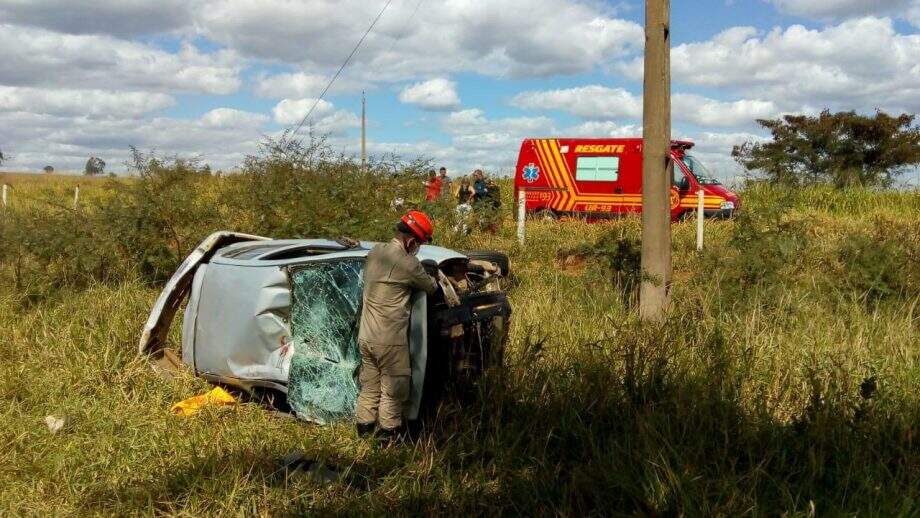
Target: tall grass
{"type": "Point", "coordinates": [785, 379]}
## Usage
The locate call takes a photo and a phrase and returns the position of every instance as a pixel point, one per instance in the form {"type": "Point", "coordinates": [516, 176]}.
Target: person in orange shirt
{"type": "Point", "coordinates": [432, 186]}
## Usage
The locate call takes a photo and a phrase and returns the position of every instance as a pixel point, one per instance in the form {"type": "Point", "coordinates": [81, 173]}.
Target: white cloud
{"type": "Point", "coordinates": [122, 17]}
{"type": "Point", "coordinates": [710, 112]}
{"type": "Point", "coordinates": [482, 36]}
{"type": "Point", "coordinates": [590, 102]}
{"type": "Point", "coordinates": [491, 144]}
{"type": "Point", "coordinates": [302, 84]}
{"type": "Point", "coordinates": [291, 85]}
{"type": "Point", "coordinates": [837, 9]}
{"type": "Point", "coordinates": [37, 57]}
{"type": "Point", "coordinates": [912, 15]}
{"type": "Point", "coordinates": [600, 102]}
{"type": "Point", "coordinates": [859, 64]}
{"type": "Point", "coordinates": [476, 141]}
{"type": "Point", "coordinates": [603, 129]}
{"type": "Point", "coordinates": [410, 150]}
{"type": "Point", "coordinates": [434, 94]}
{"type": "Point", "coordinates": [722, 141]}
{"type": "Point", "coordinates": [292, 111]}
{"type": "Point", "coordinates": [89, 103]}
{"type": "Point", "coordinates": [221, 137]}
{"type": "Point", "coordinates": [324, 119]}
{"type": "Point", "coordinates": [473, 121]}
{"type": "Point", "coordinates": [713, 149]}
{"type": "Point", "coordinates": [229, 118]}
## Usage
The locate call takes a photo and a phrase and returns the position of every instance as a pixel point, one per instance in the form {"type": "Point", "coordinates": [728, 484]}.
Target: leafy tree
{"type": "Point", "coordinates": [94, 166]}
{"type": "Point", "coordinates": [48, 169]}
{"type": "Point", "coordinates": [843, 149]}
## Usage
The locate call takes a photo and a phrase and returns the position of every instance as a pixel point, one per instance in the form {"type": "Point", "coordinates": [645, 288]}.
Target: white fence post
{"type": "Point", "coordinates": [522, 214]}
{"type": "Point", "coordinates": [76, 197]}
{"type": "Point", "coordinates": [5, 187]}
{"type": "Point", "coordinates": [699, 219]}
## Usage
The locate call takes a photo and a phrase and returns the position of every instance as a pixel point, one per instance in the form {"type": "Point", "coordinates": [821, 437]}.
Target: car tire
{"type": "Point", "coordinates": [499, 258]}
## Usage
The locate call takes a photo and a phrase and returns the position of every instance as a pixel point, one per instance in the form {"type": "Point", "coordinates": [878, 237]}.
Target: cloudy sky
{"type": "Point", "coordinates": [459, 81]}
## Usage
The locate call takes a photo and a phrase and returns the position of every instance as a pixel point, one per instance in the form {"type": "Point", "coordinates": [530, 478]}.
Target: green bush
{"type": "Point", "coordinates": [144, 227]}
{"type": "Point", "coordinates": [769, 244]}
{"type": "Point", "coordinates": [157, 220]}
{"type": "Point", "coordinates": [48, 246]}
{"type": "Point", "coordinates": [618, 255]}
{"type": "Point", "coordinates": [876, 265]}
{"type": "Point", "coordinates": [297, 190]}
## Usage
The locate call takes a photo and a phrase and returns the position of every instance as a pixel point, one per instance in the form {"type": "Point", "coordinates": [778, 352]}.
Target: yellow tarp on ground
{"type": "Point", "coordinates": [216, 397]}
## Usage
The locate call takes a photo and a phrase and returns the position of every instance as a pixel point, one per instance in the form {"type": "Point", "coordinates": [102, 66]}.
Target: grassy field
{"type": "Point", "coordinates": [785, 381]}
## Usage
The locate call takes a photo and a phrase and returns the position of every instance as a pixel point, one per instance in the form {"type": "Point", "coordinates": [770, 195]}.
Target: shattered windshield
{"type": "Point", "coordinates": [326, 300]}
{"type": "Point", "coordinates": [703, 175]}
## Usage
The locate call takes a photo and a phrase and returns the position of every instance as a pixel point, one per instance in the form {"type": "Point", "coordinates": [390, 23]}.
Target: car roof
{"type": "Point", "coordinates": [279, 252]}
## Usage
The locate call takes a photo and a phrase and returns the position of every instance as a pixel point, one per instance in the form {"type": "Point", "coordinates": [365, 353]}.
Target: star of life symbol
{"type": "Point", "coordinates": [531, 173]}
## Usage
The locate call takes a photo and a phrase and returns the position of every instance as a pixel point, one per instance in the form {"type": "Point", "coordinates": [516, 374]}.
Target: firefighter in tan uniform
{"type": "Point", "coordinates": [391, 274]}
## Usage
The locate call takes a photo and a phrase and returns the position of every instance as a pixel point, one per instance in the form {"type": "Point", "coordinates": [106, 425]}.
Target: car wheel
{"type": "Point", "coordinates": [499, 258]}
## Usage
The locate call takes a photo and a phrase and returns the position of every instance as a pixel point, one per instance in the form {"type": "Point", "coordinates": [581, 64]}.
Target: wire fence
{"type": "Point", "coordinates": [8, 195]}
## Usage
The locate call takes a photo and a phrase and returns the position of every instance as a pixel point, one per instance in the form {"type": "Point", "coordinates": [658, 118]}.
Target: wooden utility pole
{"type": "Point", "coordinates": [363, 132]}
{"type": "Point", "coordinates": [656, 163]}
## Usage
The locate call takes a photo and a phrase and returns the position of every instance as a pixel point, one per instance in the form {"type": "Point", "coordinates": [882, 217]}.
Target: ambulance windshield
{"type": "Point", "coordinates": [703, 175]}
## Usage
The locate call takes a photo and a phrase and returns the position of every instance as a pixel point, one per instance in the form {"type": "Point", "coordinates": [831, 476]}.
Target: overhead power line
{"type": "Point", "coordinates": [344, 64]}
{"type": "Point", "coordinates": [406, 29]}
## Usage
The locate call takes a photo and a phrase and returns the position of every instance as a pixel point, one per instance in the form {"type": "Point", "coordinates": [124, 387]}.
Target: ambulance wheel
{"type": "Point", "coordinates": [499, 258]}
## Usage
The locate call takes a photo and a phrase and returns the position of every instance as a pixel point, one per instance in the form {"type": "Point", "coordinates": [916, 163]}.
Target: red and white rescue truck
{"type": "Point", "coordinates": [598, 178]}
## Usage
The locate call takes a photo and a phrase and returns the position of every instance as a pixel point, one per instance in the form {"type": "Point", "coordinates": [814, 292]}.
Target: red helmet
{"type": "Point", "coordinates": [419, 224]}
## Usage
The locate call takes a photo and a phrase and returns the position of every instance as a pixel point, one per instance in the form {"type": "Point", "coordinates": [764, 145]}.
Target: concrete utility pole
{"type": "Point", "coordinates": [363, 132]}
{"type": "Point", "coordinates": [656, 182]}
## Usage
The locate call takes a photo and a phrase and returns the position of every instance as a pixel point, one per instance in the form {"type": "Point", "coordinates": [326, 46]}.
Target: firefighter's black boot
{"type": "Point", "coordinates": [365, 429]}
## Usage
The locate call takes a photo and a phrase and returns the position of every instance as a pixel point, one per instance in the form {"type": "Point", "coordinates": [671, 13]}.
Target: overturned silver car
{"type": "Point", "coordinates": [282, 315]}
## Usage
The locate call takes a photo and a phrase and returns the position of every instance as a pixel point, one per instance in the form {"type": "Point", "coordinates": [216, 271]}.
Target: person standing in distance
{"type": "Point", "coordinates": [391, 273]}
{"type": "Point", "coordinates": [445, 183]}
{"type": "Point", "coordinates": [432, 186]}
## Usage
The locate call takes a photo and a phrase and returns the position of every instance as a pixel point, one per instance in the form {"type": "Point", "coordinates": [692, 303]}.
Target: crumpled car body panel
{"type": "Point", "coordinates": [154, 334]}
{"type": "Point", "coordinates": [240, 323]}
